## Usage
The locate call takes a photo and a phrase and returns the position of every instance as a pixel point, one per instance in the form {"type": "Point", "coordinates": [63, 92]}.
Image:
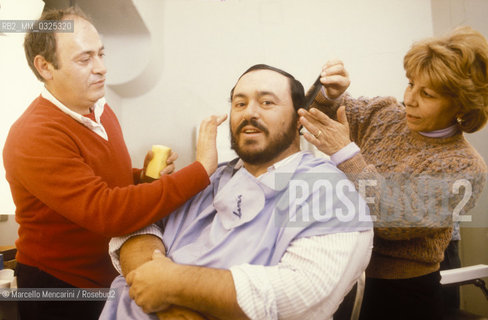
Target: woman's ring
{"type": "Point", "coordinates": [318, 134]}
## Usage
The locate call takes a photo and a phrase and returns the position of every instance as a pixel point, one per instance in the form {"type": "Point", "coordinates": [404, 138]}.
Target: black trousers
{"type": "Point", "coordinates": [414, 298]}
{"type": "Point", "coordinates": [451, 261]}
{"type": "Point", "coordinates": [31, 277]}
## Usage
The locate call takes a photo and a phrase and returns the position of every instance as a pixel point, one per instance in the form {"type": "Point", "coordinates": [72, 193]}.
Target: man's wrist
{"type": "Point", "coordinates": [178, 287]}
{"type": "Point", "coordinates": [206, 290]}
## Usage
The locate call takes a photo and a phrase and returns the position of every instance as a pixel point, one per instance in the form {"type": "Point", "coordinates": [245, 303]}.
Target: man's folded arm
{"type": "Point", "coordinates": [131, 251]}
{"type": "Point", "coordinates": [310, 281]}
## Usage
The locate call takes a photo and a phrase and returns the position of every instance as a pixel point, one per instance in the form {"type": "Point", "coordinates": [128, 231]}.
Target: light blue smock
{"type": "Point", "coordinates": [241, 219]}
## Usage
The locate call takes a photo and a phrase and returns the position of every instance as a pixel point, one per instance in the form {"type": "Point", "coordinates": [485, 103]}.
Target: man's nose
{"type": "Point", "coordinates": [99, 66]}
{"type": "Point", "coordinates": [252, 110]}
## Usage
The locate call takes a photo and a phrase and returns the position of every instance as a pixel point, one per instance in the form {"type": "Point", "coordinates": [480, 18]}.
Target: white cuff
{"type": "Point", "coordinates": [257, 301]}
{"type": "Point", "coordinates": [116, 243]}
{"type": "Point", "coordinates": [345, 153]}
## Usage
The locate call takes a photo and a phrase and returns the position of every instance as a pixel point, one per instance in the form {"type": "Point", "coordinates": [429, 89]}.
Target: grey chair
{"type": "Point", "coordinates": [351, 305]}
{"type": "Point", "coordinates": [464, 276]}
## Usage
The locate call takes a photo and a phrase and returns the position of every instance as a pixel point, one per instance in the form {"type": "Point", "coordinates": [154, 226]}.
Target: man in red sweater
{"type": "Point", "coordinates": [71, 177]}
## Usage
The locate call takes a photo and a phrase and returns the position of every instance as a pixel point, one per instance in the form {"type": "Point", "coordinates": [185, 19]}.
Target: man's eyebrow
{"type": "Point", "coordinates": [268, 93]}
{"type": "Point", "coordinates": [260, 94]}
{"type": "Point", "coordinates": [239, 95]}
{"type": "Point", "coordinates": [89, 52]}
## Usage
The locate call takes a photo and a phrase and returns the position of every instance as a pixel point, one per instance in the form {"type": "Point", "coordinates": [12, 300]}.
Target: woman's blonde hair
{"type": "Point", "coordinates": [456, 66]}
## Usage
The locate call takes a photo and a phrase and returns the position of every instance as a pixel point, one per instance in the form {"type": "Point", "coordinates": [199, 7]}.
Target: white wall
{"type": "Point", "coordinates": [18, 85]}
{"type": "Point", "coordinates": [198, 48]}
{"type": "Point", "coordinates": [206, 45]}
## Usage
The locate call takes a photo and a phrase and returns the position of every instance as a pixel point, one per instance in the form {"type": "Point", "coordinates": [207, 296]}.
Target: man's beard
{"type": "Point", "coordinates": [275, 146]}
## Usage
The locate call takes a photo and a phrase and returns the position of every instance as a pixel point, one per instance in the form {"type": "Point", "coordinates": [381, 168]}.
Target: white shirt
{"type": "Point", "coordinates": [98, 107]}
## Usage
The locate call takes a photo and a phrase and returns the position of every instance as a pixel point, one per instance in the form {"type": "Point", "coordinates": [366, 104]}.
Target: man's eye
{"type": "Point", "coordinates": [268, 103]}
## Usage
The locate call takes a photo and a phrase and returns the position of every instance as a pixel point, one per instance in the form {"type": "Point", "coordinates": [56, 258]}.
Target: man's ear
{"type": "Point", "coordinates": [43, 67]}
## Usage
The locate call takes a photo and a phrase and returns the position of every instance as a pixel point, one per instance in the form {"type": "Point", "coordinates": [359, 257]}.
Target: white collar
{"type": "Point", "coordinates": [283, 162]}
{"type": "Point", "coordinates": [283, 168]}
{"type": "Point", "coordinates": [95, 126]}
{"type": "Point", "coordinates": [275, 166]}
{"type": "Point", "coordinates": [442, 133]}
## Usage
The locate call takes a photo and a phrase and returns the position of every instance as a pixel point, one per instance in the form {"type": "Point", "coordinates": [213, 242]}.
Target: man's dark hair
{"type": "Point", "coordinates": [296, 88]}
{"type": "Point", "coordinates": [44, 43]}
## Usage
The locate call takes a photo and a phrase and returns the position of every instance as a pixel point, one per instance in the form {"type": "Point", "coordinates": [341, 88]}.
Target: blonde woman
{"type": "Point", "coordinates": [413, 163]}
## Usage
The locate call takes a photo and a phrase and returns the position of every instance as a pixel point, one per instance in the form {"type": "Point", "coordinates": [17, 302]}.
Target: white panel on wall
{"type": "Point", "coordinates": [18, 85]}
{"type": "Point", "coordinates": [208, 44]}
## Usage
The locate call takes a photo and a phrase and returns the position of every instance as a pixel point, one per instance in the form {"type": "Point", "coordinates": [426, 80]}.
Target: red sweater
{"type": "Point", "coordinates": [73, 190]}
